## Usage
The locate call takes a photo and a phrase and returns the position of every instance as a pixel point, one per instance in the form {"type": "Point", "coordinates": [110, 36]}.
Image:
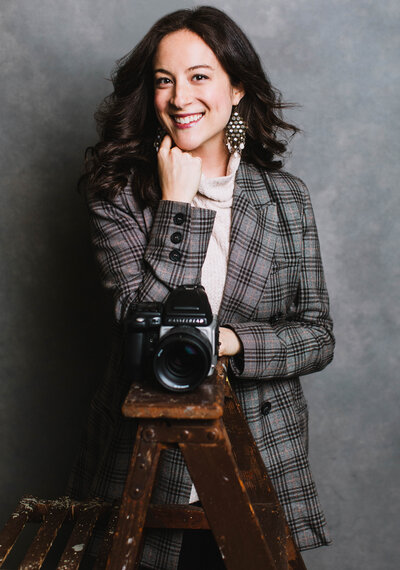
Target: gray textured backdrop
{"type": "Point", "coordinates": [338, 59]}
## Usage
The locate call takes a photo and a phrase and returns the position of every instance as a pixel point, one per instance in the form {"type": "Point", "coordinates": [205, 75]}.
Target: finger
{"type": "Point", "coordinates": [177, 150]}
{"type": "Point", "coordinates": [166, 143]}
{"type": "Point", "coordinates": [197, 158]}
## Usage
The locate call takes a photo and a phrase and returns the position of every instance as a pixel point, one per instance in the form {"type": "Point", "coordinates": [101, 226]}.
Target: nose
{"type": "Point", "coordinates": [181, 95]}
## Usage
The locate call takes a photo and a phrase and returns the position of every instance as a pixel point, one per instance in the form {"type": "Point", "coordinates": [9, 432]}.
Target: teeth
{"type": "Point", "coordinates": [188, 119]}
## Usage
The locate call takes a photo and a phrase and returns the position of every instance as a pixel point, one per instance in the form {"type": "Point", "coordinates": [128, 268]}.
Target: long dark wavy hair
{"type": "Point", "coordinates": [127, 122]}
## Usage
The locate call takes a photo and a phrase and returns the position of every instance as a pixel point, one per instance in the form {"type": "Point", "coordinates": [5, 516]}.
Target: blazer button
{"type": "Point", "coordinates": [179, 218]}
{"type": "Point", "coordinates": [175, 255]}
{"type": "Point", "coordinates": [266, 408]}
{"type": "Point", "coordinates": [176, 237]}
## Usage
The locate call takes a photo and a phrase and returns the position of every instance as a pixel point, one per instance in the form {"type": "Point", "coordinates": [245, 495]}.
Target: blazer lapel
{"type": "Point", "coordinates": [252, 244]}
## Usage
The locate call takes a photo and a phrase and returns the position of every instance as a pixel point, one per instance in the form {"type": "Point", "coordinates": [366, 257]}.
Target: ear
{"type": "Point", "coordinates": [238, 93]}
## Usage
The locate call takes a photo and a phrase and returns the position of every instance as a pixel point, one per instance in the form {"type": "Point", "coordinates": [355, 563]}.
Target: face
{"type": "Point", "coordinates": [193, 95]}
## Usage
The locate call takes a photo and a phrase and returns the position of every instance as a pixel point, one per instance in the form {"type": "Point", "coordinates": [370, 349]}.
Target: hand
{"type": "Point", "coordinates": [229, 342]}
{"type": "Point", "coordinates": [179, 172]}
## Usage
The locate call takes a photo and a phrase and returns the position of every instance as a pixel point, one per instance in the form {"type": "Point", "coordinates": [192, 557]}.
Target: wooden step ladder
{"type": "Point", "coordinates": [239, 503]}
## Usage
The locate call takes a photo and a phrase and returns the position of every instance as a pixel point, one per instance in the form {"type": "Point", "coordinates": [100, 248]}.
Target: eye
{"type": "Point", "coordinates": [160, 81]}
{"type": "Point", "coordinates": [199, 77]}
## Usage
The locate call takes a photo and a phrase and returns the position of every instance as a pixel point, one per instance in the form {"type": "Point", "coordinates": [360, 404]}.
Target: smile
{"type": "Point", "coordinates": [187, 120]}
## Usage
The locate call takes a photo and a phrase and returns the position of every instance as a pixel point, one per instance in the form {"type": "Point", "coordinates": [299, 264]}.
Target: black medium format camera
{"type": "Point", "coordinates": [175, 341]}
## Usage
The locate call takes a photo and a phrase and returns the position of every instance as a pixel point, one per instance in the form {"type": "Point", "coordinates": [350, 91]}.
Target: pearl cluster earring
{"type": "Point", "coordinates": [235, 133]}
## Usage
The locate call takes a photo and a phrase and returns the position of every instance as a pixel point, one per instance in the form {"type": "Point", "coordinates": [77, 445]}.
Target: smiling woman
{"type": "Point", "coordinates": [193, 99]}
{"type": "Point", "coordinates": [185, 187]}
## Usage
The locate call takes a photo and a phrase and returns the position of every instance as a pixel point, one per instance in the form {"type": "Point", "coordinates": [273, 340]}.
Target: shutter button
{"type": "Point", "coordinates": [266, 408]}
{"type": "Point", "coordinates": [176, 237]}
{"type": "Point", "coordinates": [179, 218]}
{"type": "Point", "coordinates": [175, 255]}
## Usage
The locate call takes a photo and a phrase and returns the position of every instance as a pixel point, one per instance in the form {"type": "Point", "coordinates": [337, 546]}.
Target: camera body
{"type": "Point", "coordinates": [176, 342]}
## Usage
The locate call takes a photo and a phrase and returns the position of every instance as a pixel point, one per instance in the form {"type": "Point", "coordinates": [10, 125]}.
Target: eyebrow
{"type": "Point", "coordinates": [160, 70]}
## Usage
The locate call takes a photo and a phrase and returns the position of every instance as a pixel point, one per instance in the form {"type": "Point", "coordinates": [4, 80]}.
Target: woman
{"type": "Point", "coordinates": [210, 195]}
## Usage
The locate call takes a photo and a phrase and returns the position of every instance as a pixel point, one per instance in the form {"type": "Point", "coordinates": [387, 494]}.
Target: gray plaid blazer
{"type": "Point", "coordinates": [275, 299]}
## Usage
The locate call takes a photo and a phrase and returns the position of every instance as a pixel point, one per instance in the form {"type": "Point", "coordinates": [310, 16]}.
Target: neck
{"type": "Point", "coordinates": [213, 162]}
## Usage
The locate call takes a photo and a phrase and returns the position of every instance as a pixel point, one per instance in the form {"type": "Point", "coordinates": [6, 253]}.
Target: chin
{"type": "Point", "coordinates": [188, 148]}
{"type": "Point", "coordinates": [185, 146]}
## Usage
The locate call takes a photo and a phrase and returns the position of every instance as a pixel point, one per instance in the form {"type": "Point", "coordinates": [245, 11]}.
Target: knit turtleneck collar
{"type": "Point", "coordinates": [220, 189]}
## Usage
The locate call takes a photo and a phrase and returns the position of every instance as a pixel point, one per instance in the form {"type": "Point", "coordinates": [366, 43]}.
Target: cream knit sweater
{"type": "Point", "coordinates": [216, 194]}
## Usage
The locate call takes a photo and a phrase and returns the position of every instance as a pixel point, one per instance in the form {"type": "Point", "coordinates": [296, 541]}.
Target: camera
{"type": "Point", "coordinates": [176, 342]}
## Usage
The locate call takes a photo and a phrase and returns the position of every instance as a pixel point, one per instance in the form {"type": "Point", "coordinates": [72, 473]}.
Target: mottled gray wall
{"type": "Point", "coordinates": [338, 59]}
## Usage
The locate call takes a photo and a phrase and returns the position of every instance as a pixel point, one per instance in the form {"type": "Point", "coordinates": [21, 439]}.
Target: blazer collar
{"type": "Point", "coordinates": [252, 244]}
{"type": "Point", "coordinates": [254, 185]}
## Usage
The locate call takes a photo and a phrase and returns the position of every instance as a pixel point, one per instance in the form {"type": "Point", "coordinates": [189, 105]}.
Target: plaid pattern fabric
{"type": "Point", "coordinates": [275, 299]}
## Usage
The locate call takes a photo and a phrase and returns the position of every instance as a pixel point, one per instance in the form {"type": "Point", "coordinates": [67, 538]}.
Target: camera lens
{"type": "Point", "coordinates": [183, 359]}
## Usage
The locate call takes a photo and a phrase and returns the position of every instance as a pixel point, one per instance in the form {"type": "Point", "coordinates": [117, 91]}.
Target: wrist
{"type": "Point", "coordinates": [230, 343]}
{"type": "Point", "coordinates": [175, 196]}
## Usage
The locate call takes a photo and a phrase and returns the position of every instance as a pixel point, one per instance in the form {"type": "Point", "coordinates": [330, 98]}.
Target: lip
{"type": "Point", "coordinates": [183, 116]}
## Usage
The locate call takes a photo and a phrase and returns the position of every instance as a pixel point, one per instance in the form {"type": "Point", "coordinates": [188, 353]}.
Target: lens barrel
{"type": "Point", "coordinates": [183, 359]}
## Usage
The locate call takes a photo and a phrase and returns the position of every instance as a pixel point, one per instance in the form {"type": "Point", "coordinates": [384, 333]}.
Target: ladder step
{"type": "Point", "coordinates": [13, 528]}
{"type": "Point", "coordinates": [106, 544]}
{"type": "Point", "coordinates": [194, 517]}
{"type": "Point", "coordinates": [44, 538]}
{"type": "Point", "coordinates": [176, 516]}
{"type": "Point", "coordinates": [79, 538]}
{"type": "Point", "coordinates": [51, 514]}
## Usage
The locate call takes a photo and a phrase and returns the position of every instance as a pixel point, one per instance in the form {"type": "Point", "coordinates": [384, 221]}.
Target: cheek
{"type": "Point", "coordinates": [224, 112]}
{"type": "Point", "coordinates": [159, 103]}
{"type": "Point", "coordinates": [223, 104]}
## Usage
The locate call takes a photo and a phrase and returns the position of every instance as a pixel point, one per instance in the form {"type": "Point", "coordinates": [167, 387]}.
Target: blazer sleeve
{"type": "Point", "coordinates": [140, 264]}
{"type": "Point", "coordinates": [301, 341]}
